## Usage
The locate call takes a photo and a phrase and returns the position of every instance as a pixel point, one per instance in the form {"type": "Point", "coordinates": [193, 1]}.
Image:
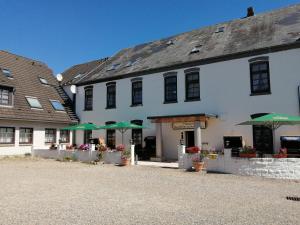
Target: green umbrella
{"type": "Point", "coordinates": [83, 126]}
{"type": "Point", "coordinates": [273, 121]}
{"type": "Point", "coordinates": [122, 127]}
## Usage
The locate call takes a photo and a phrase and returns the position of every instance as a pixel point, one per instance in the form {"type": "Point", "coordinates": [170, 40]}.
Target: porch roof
{"type": "Point", "coordinates": [181, 118]}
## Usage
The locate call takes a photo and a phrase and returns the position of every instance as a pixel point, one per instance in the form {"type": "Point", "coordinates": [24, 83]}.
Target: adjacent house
{"type": "Point", "coordinates": [196, 86]}
{"type": "Point", "coordinates": [33, 106]}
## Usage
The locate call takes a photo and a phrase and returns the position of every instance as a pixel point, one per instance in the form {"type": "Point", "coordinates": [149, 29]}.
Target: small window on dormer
{"type": "Point", "coordinates": [43, 81]}
{"type": "Point", "coordinates": [7, 73]}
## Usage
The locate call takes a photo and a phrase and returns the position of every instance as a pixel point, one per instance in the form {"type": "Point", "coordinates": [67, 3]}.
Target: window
{"type": "Point", "coordinates": [196, 49]}
{"type": "Point", "coordinates": [50, 135]}
{"type": "Point", "coordinates": [260, 77]}
{"type": "Point", "coordinates": [7, 73]}
{"type": "Point", "coordinates": [192, 86]}
{"type": "Point", "coordinates": [34, 102]}
{"type": "Point", "coordinates": [26, 135]}
{"type": "Point", "coordinates": [110, 136]}
{"type": "Point", "coordinates": [43, 81]}
{"type": "Point", "coordinates": [137, 92]}
{"type": "Point", "coordinates": [137, 135]}
{"type": "Point", "coordinates": [87, 136]}
{"type": "Point", "coordinates": [64, 136]}
{"type": "Point", "coordinates": [57, 105]}
{"type": "Point", "coordinates": [170, 88]}
{"type": "Point", "coordinates": [6, 96]}
{"type": "Point", "coordinates": [111, 95]}
{"type": "Point", "coordinates": [7, 135]}
{"type": "Point", "coordinates": [88, 98]}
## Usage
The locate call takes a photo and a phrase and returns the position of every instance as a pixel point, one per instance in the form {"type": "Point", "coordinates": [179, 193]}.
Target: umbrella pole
{"type": "Point", "coordinates": [274, 139]}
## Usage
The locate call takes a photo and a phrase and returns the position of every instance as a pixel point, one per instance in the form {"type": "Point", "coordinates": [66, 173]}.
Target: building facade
{"type": "Point", "coordinates": [33, 107]}
{"type": "Point", "coordinates": [197, 86]}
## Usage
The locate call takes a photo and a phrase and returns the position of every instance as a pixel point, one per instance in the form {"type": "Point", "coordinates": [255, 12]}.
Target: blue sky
{"type": "Point", "coordinates": [65, 32]}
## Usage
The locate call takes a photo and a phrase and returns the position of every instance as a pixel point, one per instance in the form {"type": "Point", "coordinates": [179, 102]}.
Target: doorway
{"type": "Point", "coordinates": [262, 137]}
{"type": "Point", "coordinates": [189, 139]}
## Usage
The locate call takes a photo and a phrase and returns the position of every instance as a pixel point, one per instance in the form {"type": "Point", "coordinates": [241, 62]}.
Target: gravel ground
{"type": "Point", "coordinates": [50, 192]}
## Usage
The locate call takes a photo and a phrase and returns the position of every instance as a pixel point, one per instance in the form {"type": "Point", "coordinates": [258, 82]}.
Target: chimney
{"type": "Point", "coordinates": [250, 11]}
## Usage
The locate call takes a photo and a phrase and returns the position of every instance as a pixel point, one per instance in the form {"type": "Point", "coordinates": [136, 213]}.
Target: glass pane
{"type": "Point", "coordinates": [34, 102]}
{"type": "Point", "coordinates": [57, 105]}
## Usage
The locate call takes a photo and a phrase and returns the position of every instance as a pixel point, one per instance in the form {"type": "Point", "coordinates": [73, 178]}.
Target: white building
{"type": "Point", "coordinates": [211, 78]}
{"type": "Point", "coordinates": [33, 107]}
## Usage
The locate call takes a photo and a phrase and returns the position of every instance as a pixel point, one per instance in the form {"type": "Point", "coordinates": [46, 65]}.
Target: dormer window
{"type": "Point", "coordinates": [170, 42]}
{"type": "Point", "coordinates": [113, 67]}
{"type": "Point", "coordinates": [78, 76]}
{"type": "Point", "coordinates": [6, 96]}
{"type": "Point", "coordinates": [57, 105]}
{"type": "Point", "coordinates": [43, 81]}
{"type": "Point", "coordinates": [220, 30]}
{"type": "Point", "coordinates": [7, 73]}
{"type": "Point", "coordinates": [34, 102]}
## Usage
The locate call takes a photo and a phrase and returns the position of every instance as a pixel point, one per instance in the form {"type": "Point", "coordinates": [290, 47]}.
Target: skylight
{"type": "Point", "coordinates": [128, 64]}
{"type": "Point", "coordinates": [43, 80]}
{"type": "Point", "coordinates": [220, 30]}
{"type": "Point", "coordinates": [57, 105]}
{"type": "Point", "coordinates": [170, 42]}
{"type": "Point", "coordinates": [7, 73]}
{"type": "Point", "coordinates": [113, 67]}
{"type": "Point", "coordinates": [196, 49]}
{"type": "Point", "coordinates": [34, 102]}
{"type": "Point", "coordinates": [78, 76]}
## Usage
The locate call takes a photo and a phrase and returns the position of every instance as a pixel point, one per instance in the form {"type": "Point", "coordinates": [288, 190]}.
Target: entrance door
{"type": "Point", "coordinates": [263, 139]}
{"type": "Point", "coordinates": [189, 139]}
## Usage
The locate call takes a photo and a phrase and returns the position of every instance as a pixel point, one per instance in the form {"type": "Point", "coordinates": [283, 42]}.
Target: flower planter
{"type": "Point", "coordinates": [247, 155]}
{"type": "Point", "coordinates": [198, 166]}
{"type": "Point", "coordinates": [125, 162]}
{"type": "Point", "coordinates": [278, 156]}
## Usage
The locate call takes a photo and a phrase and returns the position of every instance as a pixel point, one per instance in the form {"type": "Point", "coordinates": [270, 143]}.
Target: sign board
{"type": "Point", "coordinates": [183, 125]}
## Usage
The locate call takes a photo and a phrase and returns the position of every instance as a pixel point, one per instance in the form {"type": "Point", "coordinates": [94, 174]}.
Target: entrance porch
{"type": "Point", "coordinates": [189, 126]}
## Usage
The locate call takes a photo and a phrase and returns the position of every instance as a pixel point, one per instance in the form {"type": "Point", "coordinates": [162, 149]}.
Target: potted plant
{"type": "Point", "coordinates": [192, 150]}
{"type": "Point", "coordinates": [125, 157]}
{"type": "Point", "coordinates": [198, 162]}
{"type": "Point", "coordinates": [120, 148]}
{"type": "Point", "coordinates": [84, 147]}
{"type": "Point", "coordinates": [248, 152]}
{"type": "Point", "coordinates": [282, 153]}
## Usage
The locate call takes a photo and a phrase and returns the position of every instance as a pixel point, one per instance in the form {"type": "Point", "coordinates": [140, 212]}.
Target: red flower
{"type": "Point", "coordinates": [192, 150]}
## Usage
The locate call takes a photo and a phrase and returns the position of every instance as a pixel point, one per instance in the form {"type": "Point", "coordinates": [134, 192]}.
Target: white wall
{"type": "Point", "coordinates": [38, 136]}
{"type": "Point", "coordinates": [225, 91]}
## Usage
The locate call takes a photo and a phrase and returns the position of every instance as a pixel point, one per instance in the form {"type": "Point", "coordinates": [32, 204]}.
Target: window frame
{"type": "Point", "coordinates": [134, 90]}
{"type": "Point", "coordinates": [87, 135]}
{"type": "Point", "coordinates": [7, 73]}
{"type": "Point", "coordinates": [44, 81]}
{"type": "Point", "coordinates": [191, 72]}
{"type": "Point", "coordinates": [55, 135]}
{"type": "Point", "coordinates": [267, 71]}
{"type": "Point", "coordinates": [10, 99]}
{"type": "Point", "coordinates": [88, 99]}
{"type": "Point", "coordinates": [68, 136]}
{"type": "Point", "coordinates": [167, 76]}
{"type": "Point", "coordinates": [139, 131]}
{"type": "Point", "coordinates": [31, 140]}
{"type": "Point", "coordinates": [27, 97]}
{"type": "Point", "coordinates": [109, 132]}
{"type": "Point", "coordinates": [59, 110]}
{"type": "Point", "coordinates": [13, 137]}
{"type": "Point", "coordinates": [108, 93]}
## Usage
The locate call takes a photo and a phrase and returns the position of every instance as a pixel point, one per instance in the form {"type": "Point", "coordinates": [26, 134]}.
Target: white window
{"type": "Point", "coordinates": [50, 135]}
{"type": "Point", "coordinates": [57, 105]}
{"type": "Point", "coordinates": [26, 135]}
{"type": "Point", "coordinates": [34, 102]}
{"type": "Point", "coordinates": [7, 135]}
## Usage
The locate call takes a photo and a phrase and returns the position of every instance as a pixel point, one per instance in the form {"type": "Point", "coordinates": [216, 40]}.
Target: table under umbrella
{"type": "Point", "coordinates": [273, 121]}
{"type": "Point", "coordinates": [122, 127]}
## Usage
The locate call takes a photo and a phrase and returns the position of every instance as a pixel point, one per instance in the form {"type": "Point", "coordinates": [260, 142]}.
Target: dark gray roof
{"type": "Point", "coordinates": [75, 73]}
{"type": "Point", "coordinates": [276, 28]}
{"type": "Point", "coordinates": [26, 73]}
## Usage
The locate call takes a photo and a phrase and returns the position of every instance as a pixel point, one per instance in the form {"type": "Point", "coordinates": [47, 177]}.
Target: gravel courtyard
{"type": "Point", "coordinates": [51, 192]}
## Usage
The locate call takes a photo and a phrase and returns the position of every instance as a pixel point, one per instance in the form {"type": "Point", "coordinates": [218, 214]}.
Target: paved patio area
{"type": "Point", "coordinates": [51, 192]}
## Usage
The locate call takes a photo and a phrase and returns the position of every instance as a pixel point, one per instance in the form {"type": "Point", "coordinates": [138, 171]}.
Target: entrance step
{"type": "Point", "coordinates": [158, 164]}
